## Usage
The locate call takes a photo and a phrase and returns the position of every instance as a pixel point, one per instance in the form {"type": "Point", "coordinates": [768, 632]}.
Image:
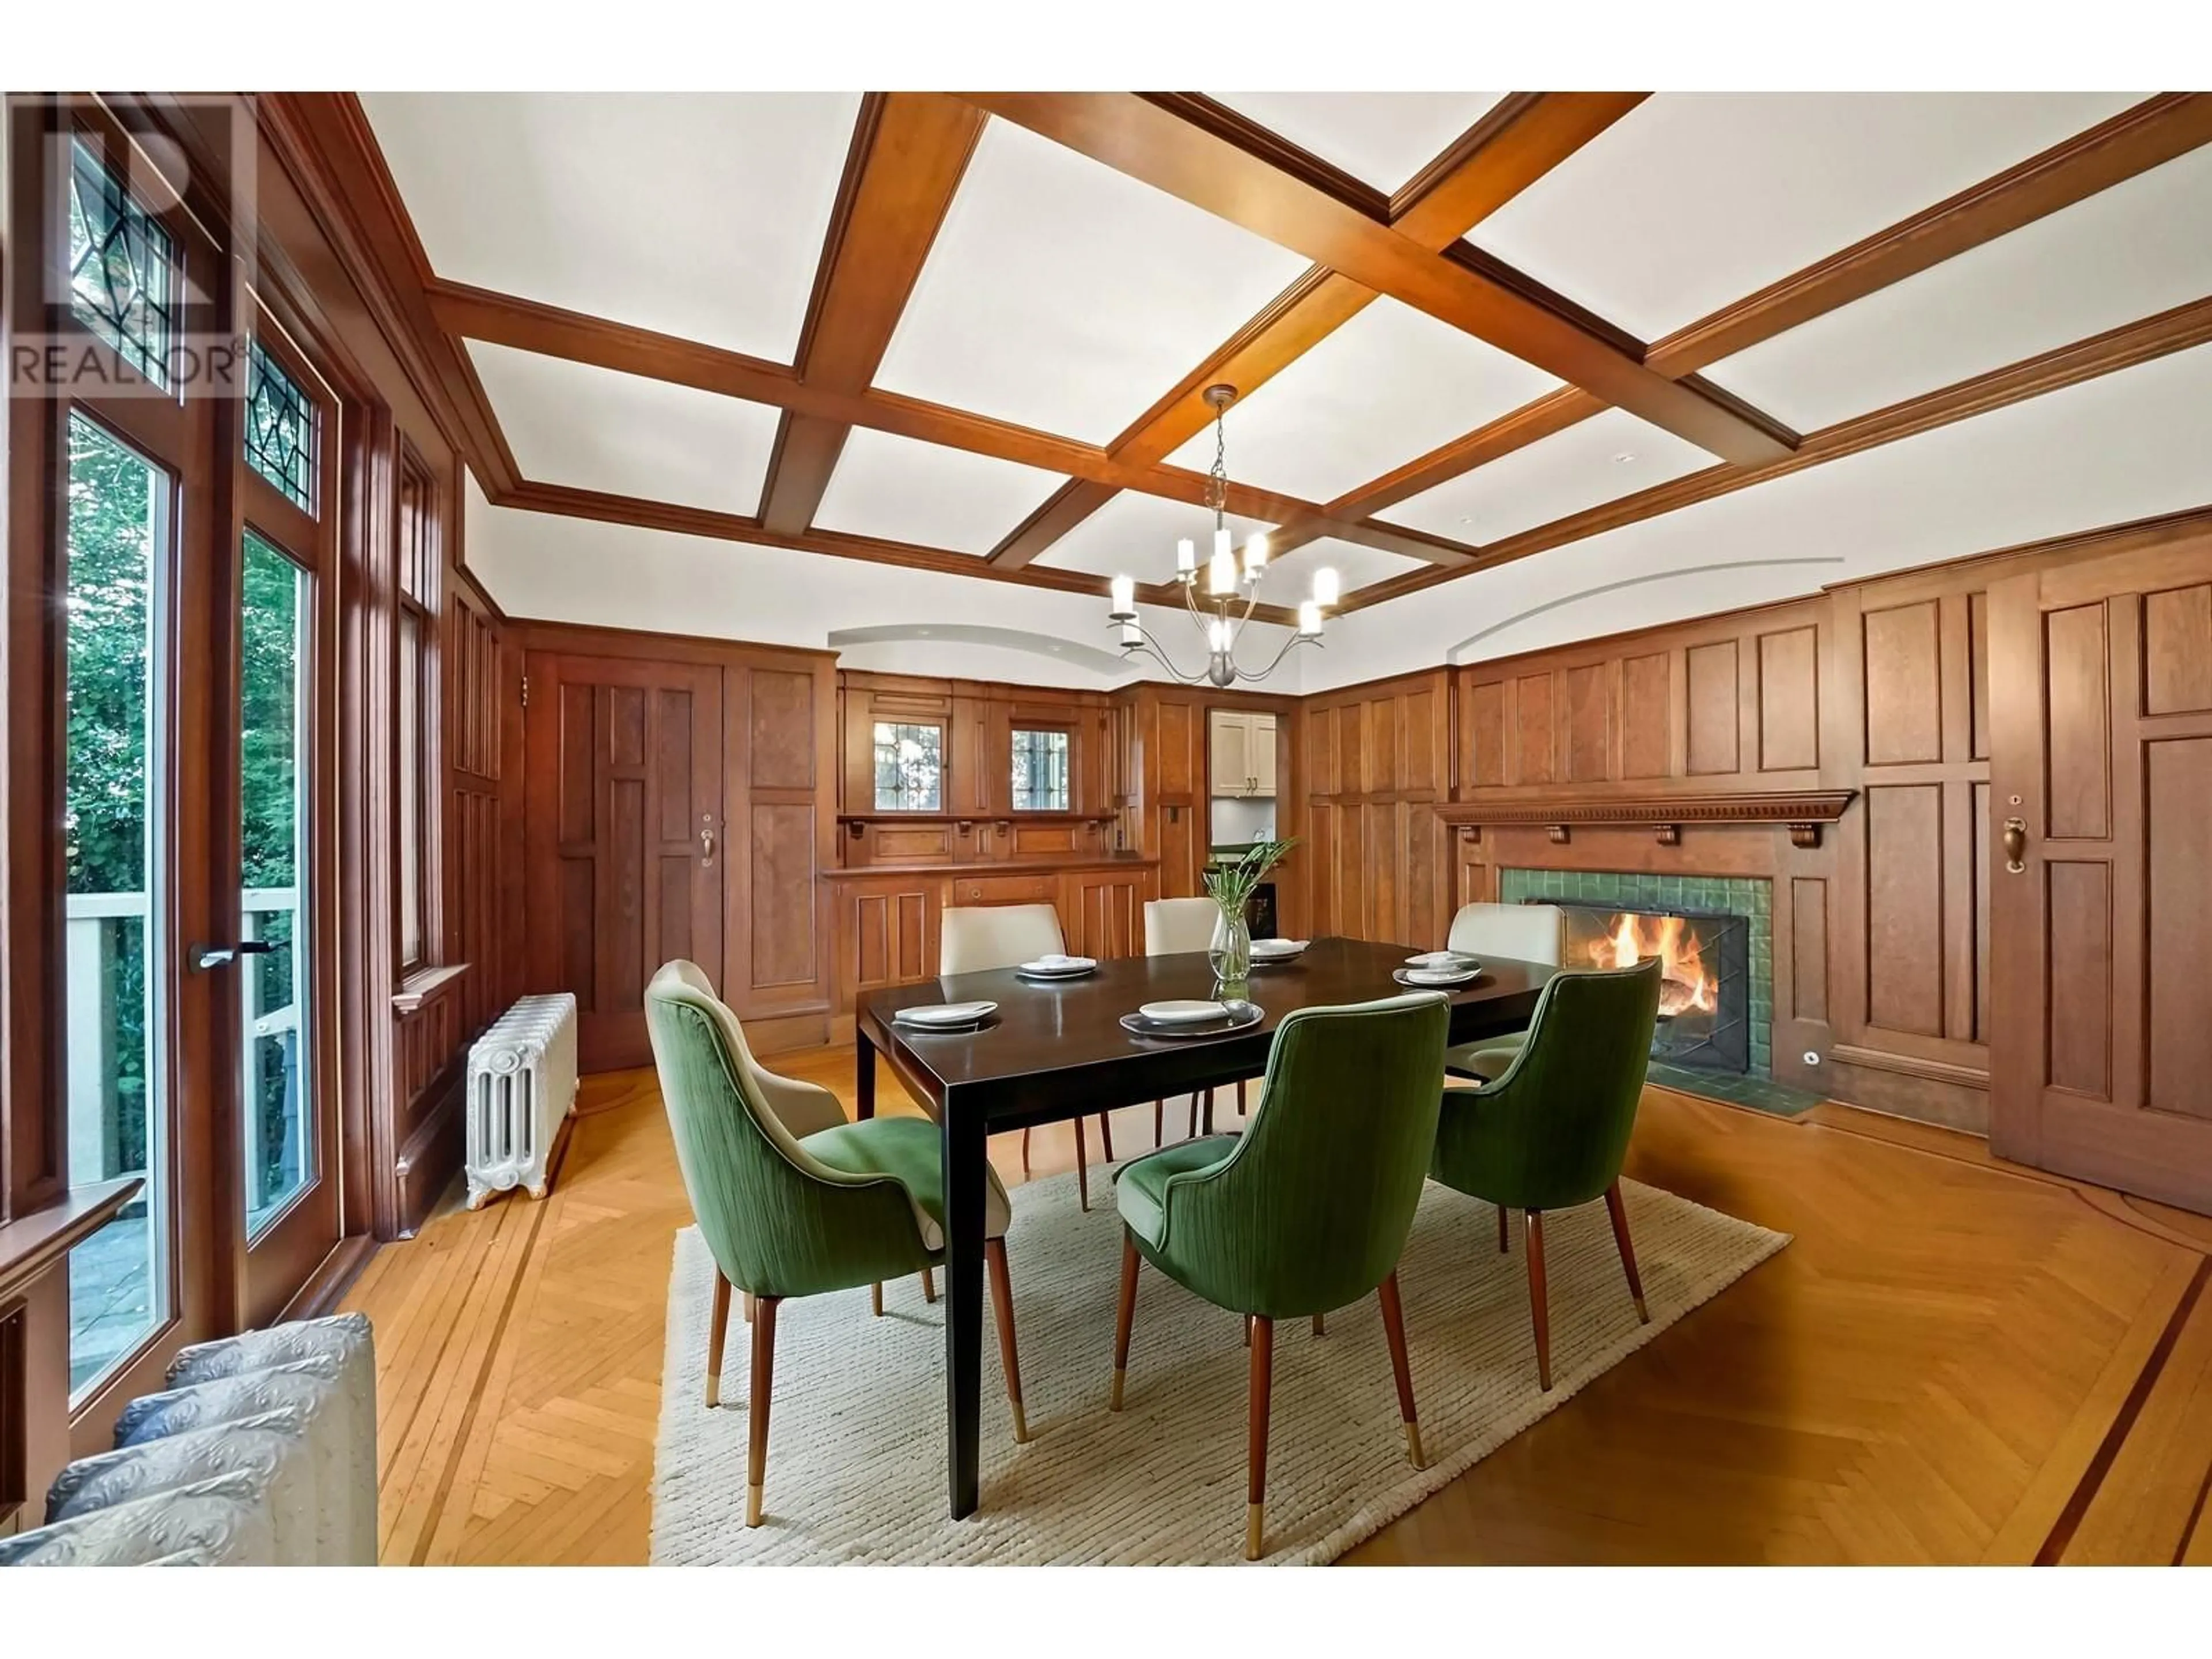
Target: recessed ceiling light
{"type": "Point", "coordinates": [1623, 457]}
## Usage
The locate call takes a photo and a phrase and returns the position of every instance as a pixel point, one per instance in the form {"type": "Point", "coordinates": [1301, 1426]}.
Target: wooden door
{"type": "Point", "coordinates": [1260, 747]}
{"type": "Point", "coordinates": [2101, 769]}
{"type": "Point", "coordinates": [1230, 762]}
{"type": "Point", "coordinates": [625, 838]}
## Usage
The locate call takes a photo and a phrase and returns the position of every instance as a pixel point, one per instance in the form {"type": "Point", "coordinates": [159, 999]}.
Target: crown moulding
{"type": "Point", "coordinates": [1802, 810]}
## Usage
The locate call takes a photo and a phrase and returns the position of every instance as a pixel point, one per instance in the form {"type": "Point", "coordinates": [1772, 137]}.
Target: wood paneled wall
{"type": "Point", "coordinates": [1377, 760]}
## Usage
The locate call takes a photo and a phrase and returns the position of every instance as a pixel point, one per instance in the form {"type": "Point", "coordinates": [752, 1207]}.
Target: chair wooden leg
{"type": "Point", "coordinates": [1209, 1111]}
{"type": "Point", "coordinates": [1256, 1495]}
{"type": "Point", "coordinates": [1394, 1327]}
{"type": "Point", "coordinates": [1025, 1152]}
{"type": "Point", "coordinates": [1539, 1310]}
{"type": "Point", "coordinates": [764, 1384]}
{"type": "Point", "coordinates": [749, 1307]}
{"type": "Point", "coordinates": [1193, 1133]}
{"type": "Point", "coordinates": [1247, 1330]}
{"type": "Point", "coordinates": [1082, 1168]}
{"type": "Point", "coordinates": [1618, 1212]}
{"type": "Point", "coordinates": [1320, 1325]}
{"type": "Point", "coordinates": [928, 1286]}
{"type": "Point", "coordinates": [1125, 1315]}
{"type": "Point", "coordinates": [1504, 1238]}
{"type": "Point", "coordinates": [715, 1330]}
{"type": "Point", "coordinates": [876, 1299]}
{"type": "Point", "coordinates": [1159, 1124]}
{"type": "Point", "coordinates": [1002, 1306]}
{"type": "Point", "coordinates": [1106, 1134]}
{"type": "Point", "coordinates": [1240, 1097]}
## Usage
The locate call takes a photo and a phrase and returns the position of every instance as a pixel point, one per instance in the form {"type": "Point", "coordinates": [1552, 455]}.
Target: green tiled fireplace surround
{"type": "Point", "coordinates": [1750, 897]}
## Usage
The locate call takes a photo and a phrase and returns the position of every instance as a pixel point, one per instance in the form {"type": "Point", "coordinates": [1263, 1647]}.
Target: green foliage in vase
{"type": "Point", "coordinates": [1230, 885]}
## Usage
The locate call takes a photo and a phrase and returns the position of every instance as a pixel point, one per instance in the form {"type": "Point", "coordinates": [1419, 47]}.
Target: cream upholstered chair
{"type": "Point", "coordinates": [977, 938]}
{"type": "Point", "coordinates": [1179, 927]}
{"type": "Point", "coordinates": [1527, 932]}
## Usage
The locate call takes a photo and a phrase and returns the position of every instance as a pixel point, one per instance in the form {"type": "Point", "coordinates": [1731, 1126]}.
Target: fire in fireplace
{"type": "Point", "coordinates": [1704, 988]}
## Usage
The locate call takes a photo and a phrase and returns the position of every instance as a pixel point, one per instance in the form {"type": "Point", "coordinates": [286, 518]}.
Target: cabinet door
{"type": "Point", "coordinates": [1231, 757]}
{"type": "Point", "coordinates": [1261, 746]}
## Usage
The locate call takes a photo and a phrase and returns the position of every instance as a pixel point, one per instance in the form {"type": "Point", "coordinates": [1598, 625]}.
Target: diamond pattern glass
{"type": "Point", "coordinates": [122, 268]}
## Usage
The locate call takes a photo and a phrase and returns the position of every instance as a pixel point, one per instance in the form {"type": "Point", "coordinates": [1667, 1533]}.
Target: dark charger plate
{"type": "Point", "coordinates": [1236, 1016]}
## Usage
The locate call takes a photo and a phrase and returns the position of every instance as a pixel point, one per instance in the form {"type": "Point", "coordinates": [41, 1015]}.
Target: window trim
{"type": "Point", "coordinates": [1063, 729]}
{"type": "Point", "coordinates": [944, 729]}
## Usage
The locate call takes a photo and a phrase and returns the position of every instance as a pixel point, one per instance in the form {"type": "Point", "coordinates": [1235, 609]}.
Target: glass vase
{"type": "Point", "coordinates": [1231, 953]}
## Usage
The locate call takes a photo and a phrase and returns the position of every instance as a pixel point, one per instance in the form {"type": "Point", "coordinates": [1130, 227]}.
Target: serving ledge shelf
{"type": "Point", "coordinates": [1803, 810]}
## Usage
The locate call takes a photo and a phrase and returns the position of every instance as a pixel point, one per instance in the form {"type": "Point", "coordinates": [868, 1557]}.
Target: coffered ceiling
{"type": "Point", "coordinates": [968, 333]}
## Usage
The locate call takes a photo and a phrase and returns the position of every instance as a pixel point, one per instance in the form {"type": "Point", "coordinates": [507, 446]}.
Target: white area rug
{"type": "Point", "coordinates": [856, 1440]}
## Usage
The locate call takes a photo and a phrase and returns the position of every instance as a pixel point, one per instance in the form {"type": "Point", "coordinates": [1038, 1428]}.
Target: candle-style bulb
{"type": "Point", "coordinates": [1124, 589]}
{"type": "Point", "coordinates": [1309, 619]}
{"type": "Point", "coordinates": [1327, 589]}
{"type": "Point", "coordinates": [1255, 554]}
{"type": "Point", "coordinates": [1221, 574]}
{"type": "Point", "coordinates": [1186, 558]}
{"type": "Point", "coordinates": [1132, 635]}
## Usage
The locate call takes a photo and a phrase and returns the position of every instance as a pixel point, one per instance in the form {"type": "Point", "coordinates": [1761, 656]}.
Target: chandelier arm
{"type": "Point", "coordinates": [1155, 650]}
{"type": "Point", "coordinates": [1289, 645]}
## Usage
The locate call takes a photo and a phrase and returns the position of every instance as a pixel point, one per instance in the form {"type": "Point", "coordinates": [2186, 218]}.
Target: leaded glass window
{"type": "Point", "coordinates": [122, 268]}
{"type": "Point", "coordinates": [909, 768]}
{"type": "Point", "coordinates": [1040, 771]}
{"type": "Point", "coordinates": [280, 429]}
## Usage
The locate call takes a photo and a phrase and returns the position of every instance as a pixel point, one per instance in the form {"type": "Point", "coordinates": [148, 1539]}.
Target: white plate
{"type": "Point", "coordinates": [1436, 978]}
{"type": "Point", "coordinates": [1438, 959]}
{"type": "Point", "coordinates": [1263, 949]}
{"type": "Point", "coordinates": [1183, 1012]}
{"type": "Point", "coordinates": [946, 1013]}
{"type": "Point", "coordinates": [1058, 967]}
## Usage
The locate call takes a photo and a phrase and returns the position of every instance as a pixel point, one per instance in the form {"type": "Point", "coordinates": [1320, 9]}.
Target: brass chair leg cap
{"type": "Point", "coordinates": [1255, 1527]}
{"type": "Point", "coordinates": [1413, 1446]}
{"type": "Point", "coordinates": [714, 1389]}
{"type": "Point", "coordinates": [1114, 1400]}
{"type": "Point", "coordinates": [1021, 1425]}
{"type": "Point", "coordinates": [752, 1506]}
{"type": "Point", "coordinates": [1643, 1312]}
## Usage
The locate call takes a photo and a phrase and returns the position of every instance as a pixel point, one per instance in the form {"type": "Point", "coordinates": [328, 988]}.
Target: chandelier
{"type": "Point", "coordinates": [1232, 589]}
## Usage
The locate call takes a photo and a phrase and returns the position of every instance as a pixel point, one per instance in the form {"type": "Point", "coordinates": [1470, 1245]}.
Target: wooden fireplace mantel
{"type": "Point", "coordinates": [1804, 811]}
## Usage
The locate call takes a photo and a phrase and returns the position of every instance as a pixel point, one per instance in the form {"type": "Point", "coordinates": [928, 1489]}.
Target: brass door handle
{"type": "Point", "coordinates": [2015, 845]}
{"type": "Point", "coordinates": [706, 839]}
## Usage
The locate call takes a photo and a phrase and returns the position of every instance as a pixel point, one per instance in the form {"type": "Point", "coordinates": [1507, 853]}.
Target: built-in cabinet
{"type": "Point", "coordinates": [1243, 754]}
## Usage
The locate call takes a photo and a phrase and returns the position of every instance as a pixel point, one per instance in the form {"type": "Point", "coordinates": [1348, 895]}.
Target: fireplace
{"type": "Point", "coordinates": [1705, 990]}
{"type": "Point", "coordinates": [1729, 918]}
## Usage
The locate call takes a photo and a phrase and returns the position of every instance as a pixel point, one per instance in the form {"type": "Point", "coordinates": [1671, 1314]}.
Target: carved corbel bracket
{"type": "Point", "coordinates": [1558, 833]}
{"type": "Point", "coordinates": [1668, 834]}
{"type": "Point", "coordinates": [1804, 834]}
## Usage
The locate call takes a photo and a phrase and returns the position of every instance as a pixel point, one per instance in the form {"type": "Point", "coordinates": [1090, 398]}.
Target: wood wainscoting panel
{"type": "Point", "coordinates": [1715, 711]}
{"type": "Point", "coordinates": [2081, 988]}
{"type": "Point", "coordinates": [782, 709]}
{"type": "Point", "coordinates": [1904, 680]}
{"type": "Point", "coordinates": [2178, 837]}
{"type": "Point", "coordinates": [1809, 934]}
{"type": "Point", "coordinates": [1977, 673]}
{"type": "Point", "coordinates": [2177, 650]}
{"type": "Point", "coordinates": [1904, 907]}
{"type": "Point", "coordinates": [1590, 723]}
{"type": "Point", "coordinates": [1483, 739]}
{"type": "Point", "coordinates": [1646, 684]}
{"type": "Point", "coordinates": [2076, 665]}
{"type": "Point", "coordinates": [782, 895]}
{"type": "Point", "coordinates": [1532, 744]}
{"type": "Point", "coordinates": [1789, 701]}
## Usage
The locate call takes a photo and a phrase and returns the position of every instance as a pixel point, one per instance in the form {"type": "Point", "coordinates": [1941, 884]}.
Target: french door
{"type": "Point", "coordinates": [2100, 881]}
{"type": "Point", "coordinates": [625, 849]}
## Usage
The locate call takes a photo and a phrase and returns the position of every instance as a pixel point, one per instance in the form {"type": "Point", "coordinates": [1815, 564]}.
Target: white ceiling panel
{"type": "Point", "coordinates": [1065, 296]}
{"type": "Point", "coordinates": [2126, 253]}
{"type": "Point", "coordinates": [1697, 200]}
{"type": "Point", "coordinates": [1610, 455]}
{"type": "Point", "coordinates": [1136, 534]}
{"type": "Point", "coordinates": [1380, 139]}
{"type": "Point", "coordinates": [1290, 578]}
{"type": "Point", "coordinates": [595, 428]}
{"type": "Point", "coordinates": [698, 215]}
{"type": "Point", "coordinates": [1390, 385]}
{"type": "Point", "coordinates": [904, 491]}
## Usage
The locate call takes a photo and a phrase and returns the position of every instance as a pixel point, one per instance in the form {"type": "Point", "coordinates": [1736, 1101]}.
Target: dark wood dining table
{"type": "Point", "coordinates": [1056, 1051]}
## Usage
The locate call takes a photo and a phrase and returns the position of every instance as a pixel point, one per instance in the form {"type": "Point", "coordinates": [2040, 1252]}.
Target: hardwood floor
{"type": "Point", "coordinates": [1956, 1361]}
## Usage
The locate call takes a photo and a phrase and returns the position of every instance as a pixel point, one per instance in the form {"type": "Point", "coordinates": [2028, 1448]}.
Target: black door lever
{"type": "Point", "coordinates": [206, 957]}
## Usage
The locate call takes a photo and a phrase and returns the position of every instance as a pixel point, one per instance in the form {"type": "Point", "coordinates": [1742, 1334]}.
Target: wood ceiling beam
{"type": "Point", "coordinates": [1517, 143]}
{"type": "Point", "coordinates": [1157, 139]}
{"type": "Point", "coordinates": [2143, 136]}
{"type": "Point", "coordinates": [567, 501]}
{"type": "Point", "coordinates": [909, 152]}
{"type": "Point", "coordinates": [2181, 328]}
{"type": "Point", "coordinates": [508, 320]}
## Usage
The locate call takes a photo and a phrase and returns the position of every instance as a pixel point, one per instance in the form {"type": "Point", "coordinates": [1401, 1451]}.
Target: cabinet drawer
{"type": "Point", "coordinates": [1005, 889]}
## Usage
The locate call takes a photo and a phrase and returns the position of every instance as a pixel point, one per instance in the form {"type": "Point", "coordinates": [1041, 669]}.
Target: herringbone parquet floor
{"type": "Point", "coordinates": [1957, 1361]}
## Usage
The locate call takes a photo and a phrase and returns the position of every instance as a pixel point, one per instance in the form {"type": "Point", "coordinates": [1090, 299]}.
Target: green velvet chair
{"type": "Point", "coordinates": [792, 1198]}
{"type": "Point", "coordinates": [1309, 1209]}
{"type": "Point", "coordinates": [1551, 1130]}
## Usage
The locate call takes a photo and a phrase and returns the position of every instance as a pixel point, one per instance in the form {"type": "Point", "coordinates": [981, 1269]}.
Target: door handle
{"type": "Point", "coordinates": [205, 957]}
{"type": "Point", "coordinates": [2015, 845]}
{"type": "Point", "coordinates": [706, 837]}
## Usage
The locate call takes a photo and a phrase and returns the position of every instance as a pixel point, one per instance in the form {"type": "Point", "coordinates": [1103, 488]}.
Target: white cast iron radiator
{"type": "Point", "coordinates": [522, 1080]}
